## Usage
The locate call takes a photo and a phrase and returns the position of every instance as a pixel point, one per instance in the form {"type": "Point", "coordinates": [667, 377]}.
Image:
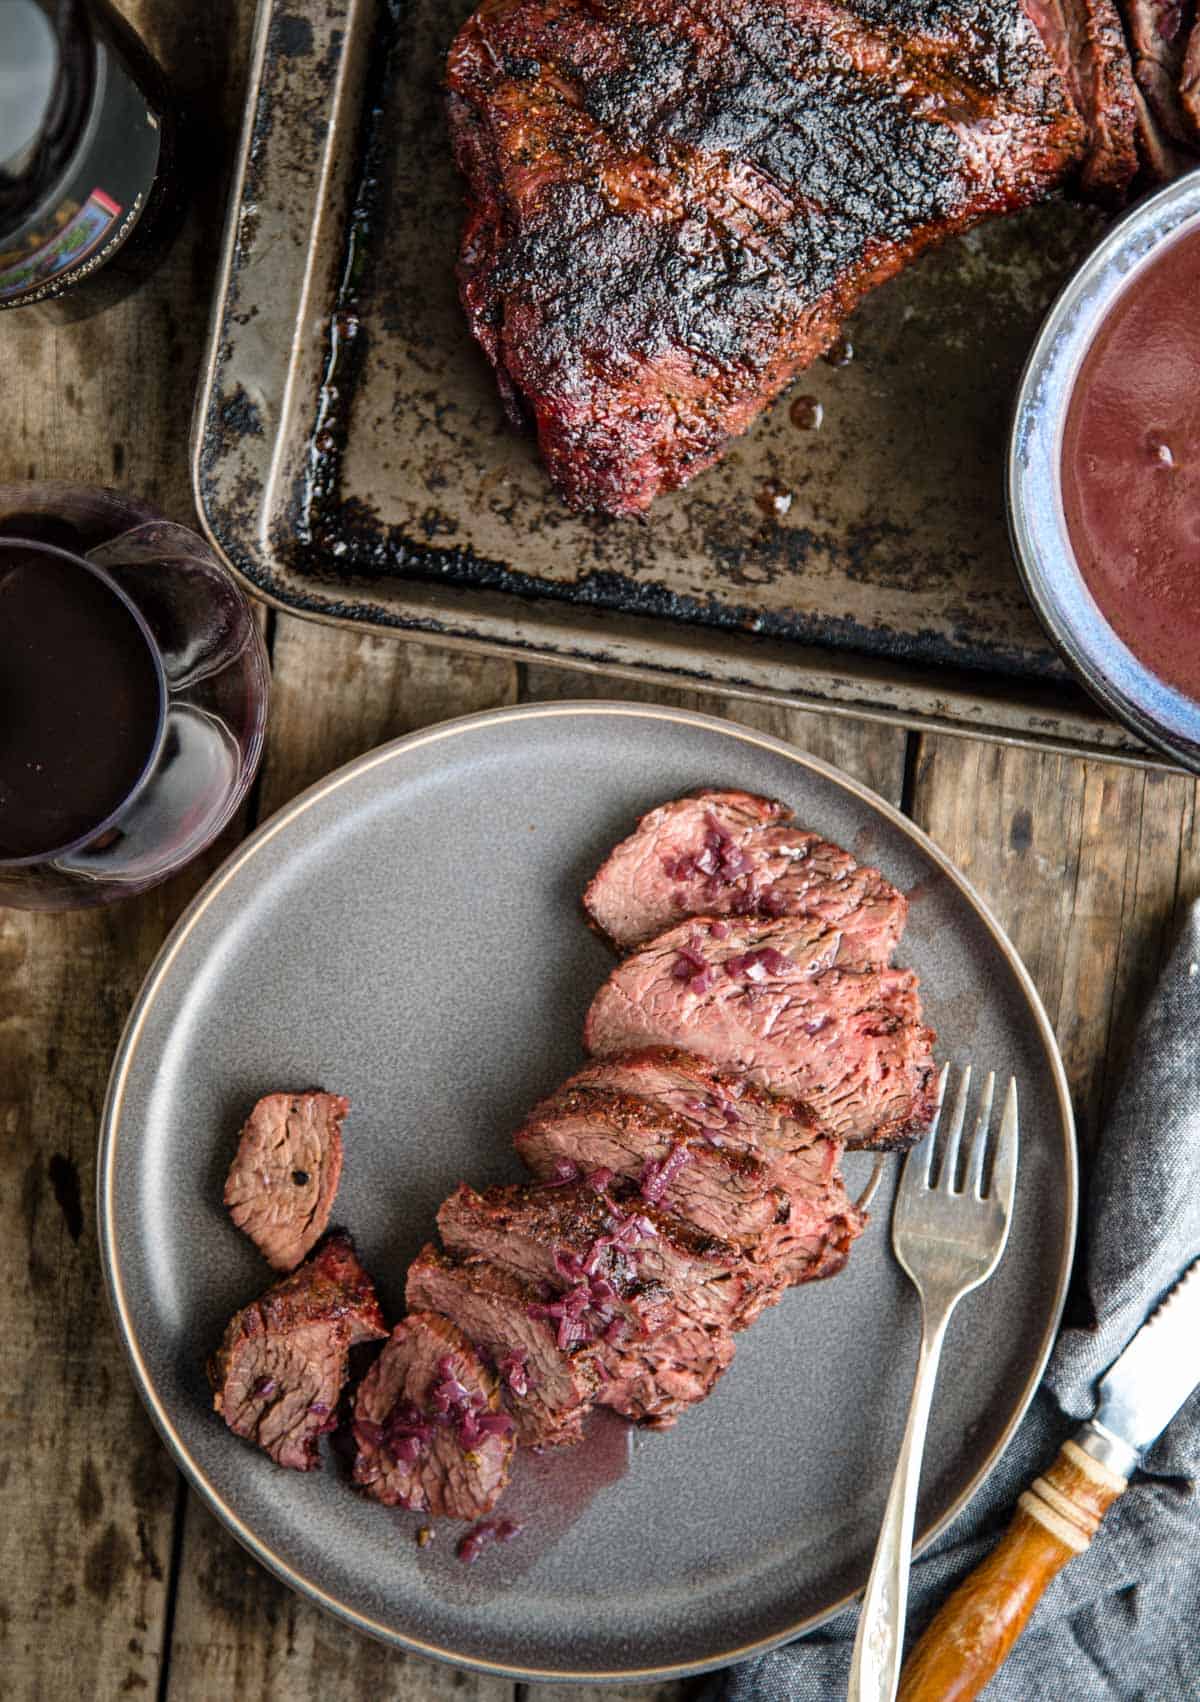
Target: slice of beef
{"type": "Point", "coordinates": [1189, 83]}
{"type": "Point", "coordinates": [555, 1238]}
{"type": "Point", "coordinates": [656, 1263]}
{"type": "Point", "coordinates": [713, 1101]}
{"type": "Point", "coordinates": [279, 1371]}
{"type": "Point", "coordinates": [284, 1176]}
{"type": "Point", "coordinates": [766, 1204]}
{"type": "Point", "coordinates": [653, 1383]}
{"type": "Point", "coordinates": [1158, 33]}
{"type": "Point", "coordinates": [1087, 44]}
{"type": "Point", "coordinates": [594, 1121]}
{"type": "Point", "coordinates": [548, 1390]}
{"type": "Point", "coordinates": [730, 853]}
{"type": "Point", "coordinates": [604, 1271]}
{"type": "Point", "coordinates": [725, 1190]}
{"type": "Point", "coordinates": [428, 1426]}
{"type": "Point", "coordinates": [851, 1044]}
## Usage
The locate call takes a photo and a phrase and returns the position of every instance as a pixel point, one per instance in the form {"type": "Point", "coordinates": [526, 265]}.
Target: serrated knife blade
{"type": "Point", "coordinates": [1145, 1387]}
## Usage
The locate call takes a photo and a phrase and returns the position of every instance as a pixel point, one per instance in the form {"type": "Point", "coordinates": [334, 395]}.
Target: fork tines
{"type": "Point", "coordinates": [967, 1172]}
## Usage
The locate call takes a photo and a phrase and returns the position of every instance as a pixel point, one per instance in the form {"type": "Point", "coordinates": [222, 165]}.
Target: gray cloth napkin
{"type": "Point", "coordinates": [1122, 1621]}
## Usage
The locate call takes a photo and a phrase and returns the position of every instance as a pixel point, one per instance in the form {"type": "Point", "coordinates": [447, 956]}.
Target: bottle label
{"type": "Point", "coordinates": [87, 223]}
{"type": "Point", "coordinates": [76, 239]}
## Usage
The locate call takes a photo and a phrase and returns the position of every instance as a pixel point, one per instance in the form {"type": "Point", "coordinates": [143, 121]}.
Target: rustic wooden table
{"type": "Point", "coordinates": [116, 1581]}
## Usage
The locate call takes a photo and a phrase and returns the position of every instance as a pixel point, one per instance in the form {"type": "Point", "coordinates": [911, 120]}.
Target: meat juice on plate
{"type": "Point", "coordinates": [1131, 466]}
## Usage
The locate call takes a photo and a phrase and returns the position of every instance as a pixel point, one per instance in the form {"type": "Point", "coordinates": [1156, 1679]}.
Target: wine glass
{"type": "Point", "coordinates": [173, 719]}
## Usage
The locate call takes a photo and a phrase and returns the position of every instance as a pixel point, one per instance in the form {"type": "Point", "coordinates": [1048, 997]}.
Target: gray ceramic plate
{"type": "Point", "coordinates": [408, 933]}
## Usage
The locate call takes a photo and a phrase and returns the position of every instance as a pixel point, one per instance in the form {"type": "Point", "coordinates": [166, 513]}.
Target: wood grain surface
{"type": "Point", "coordinates": [115, 1582]}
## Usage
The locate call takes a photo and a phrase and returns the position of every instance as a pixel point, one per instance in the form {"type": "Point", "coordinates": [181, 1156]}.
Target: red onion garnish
{"type": "Point", "coordinates": [405, 1433]}
{"type": "Point", "coordinates": [472, 1545]}
{"type": "Point", "coordinates": [565, 1172]}
{"type": "Point", "coordinates": [692, 966]}
{"type": "Point", "coordinates": [447, 1393]}
{"type": "Point", "coordinates": [264, 1388]}
{"type": "Point", "coordinates": [657, 1175]}
{"type": "Point", "coordinates": [514, 1372]}
{"type": "Point", "coordinates": [757, 965]}
{"type": "Point", "coordinates": [599, 1179]}
{"type": "Point", "coordinates": [475, 1426]}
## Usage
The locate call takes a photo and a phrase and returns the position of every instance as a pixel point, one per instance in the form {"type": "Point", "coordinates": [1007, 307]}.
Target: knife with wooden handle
{"type": "Point", "coordinates": [1057, 1517]}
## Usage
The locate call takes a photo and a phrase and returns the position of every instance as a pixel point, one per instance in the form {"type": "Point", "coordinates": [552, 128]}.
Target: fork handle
{"type": "Point", "coordinates": [875, 1666]}
{"type": "Point", "coordinates": [973, 1632]}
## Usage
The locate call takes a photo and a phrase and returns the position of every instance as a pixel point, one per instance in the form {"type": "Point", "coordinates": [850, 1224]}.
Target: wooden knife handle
{"type": "Point", "coordinates": [969, 1639]}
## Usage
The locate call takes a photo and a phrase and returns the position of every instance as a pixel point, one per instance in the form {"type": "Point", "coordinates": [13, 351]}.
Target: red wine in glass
{"type": "Point", "coordinates": [133, 693]}
{"type": "Point", "coordinates": [81, 701]}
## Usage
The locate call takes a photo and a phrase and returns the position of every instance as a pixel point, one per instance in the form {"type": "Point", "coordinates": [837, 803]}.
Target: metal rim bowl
{"type": "Point", "coordinates": [1158, 713]}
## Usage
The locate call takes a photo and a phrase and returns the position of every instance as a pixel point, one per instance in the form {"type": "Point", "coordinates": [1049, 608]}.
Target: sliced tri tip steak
{"type": "Point", "coordinates": [649, 1300]}
{"type": "Point", "coordinates": [278, 1374]}
{"type": "Point", "coordinates": [429, 1429]}
{"type": "Point", "coordinates": [753, 1198]}
{"type": "Point", "coordinates": [728, 853]}
{"type": "Point", "coordinates": [547, 1389]}
{"type": "Point", "coordinates": [285, 1173]}
{"type": "Point", "coordinates": [713, 1101]}
{"type": "Point", "coordinates": [794, 1008]}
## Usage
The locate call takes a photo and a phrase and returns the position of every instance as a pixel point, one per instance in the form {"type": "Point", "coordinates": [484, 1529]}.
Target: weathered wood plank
{"type": "Point", "coordinates": [85, 1542]}
{"type": "Point", "coordinates": [89, 1492]}
{"type": "Point", "coordinates": [1087, 865]}
{"type": "Point", "coordinates": [237, 1630]}
{"type": "Point", "coordinates": [870, 751]}
{"type": "Point", "coordinates": [338, 692]}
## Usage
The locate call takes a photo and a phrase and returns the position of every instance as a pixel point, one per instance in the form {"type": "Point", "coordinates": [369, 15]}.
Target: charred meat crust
{"type": "Point", "coordinates": [674, 203]}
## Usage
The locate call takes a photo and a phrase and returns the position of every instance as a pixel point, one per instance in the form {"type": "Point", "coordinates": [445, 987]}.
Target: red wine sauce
{"type": "Point", "coordinates": [1131, 466]}
{"type": "Point", "coordinates": [79, 701]}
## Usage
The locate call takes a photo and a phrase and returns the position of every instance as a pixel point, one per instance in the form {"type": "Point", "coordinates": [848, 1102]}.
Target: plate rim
{"type": "Point", "coordinates": [124, 1058]}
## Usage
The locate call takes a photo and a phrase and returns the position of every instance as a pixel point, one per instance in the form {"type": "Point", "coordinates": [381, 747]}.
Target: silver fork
{"type": "Point", "coordinates": [949, 1241]}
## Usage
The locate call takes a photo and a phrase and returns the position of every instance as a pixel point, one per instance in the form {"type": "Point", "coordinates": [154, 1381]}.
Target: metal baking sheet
{"type": "Point", "coordinates": [352, 461]}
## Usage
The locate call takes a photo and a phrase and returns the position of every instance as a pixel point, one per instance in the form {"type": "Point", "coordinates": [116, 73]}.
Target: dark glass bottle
{"type": "Point", "coordinates": [89, 183]}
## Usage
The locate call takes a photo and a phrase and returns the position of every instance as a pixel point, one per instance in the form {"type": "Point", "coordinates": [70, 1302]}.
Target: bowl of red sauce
{"type": "Point", "coordinates": [1104, 471]}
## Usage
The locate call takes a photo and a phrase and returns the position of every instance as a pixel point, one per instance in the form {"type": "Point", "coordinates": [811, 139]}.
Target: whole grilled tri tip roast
{"type": "Point", "coordinates": [1056, 1519]}
{"type": "Point", "coordinates": [672, 207]}
{"type": "Point", "coordinates": [684, 1178]}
